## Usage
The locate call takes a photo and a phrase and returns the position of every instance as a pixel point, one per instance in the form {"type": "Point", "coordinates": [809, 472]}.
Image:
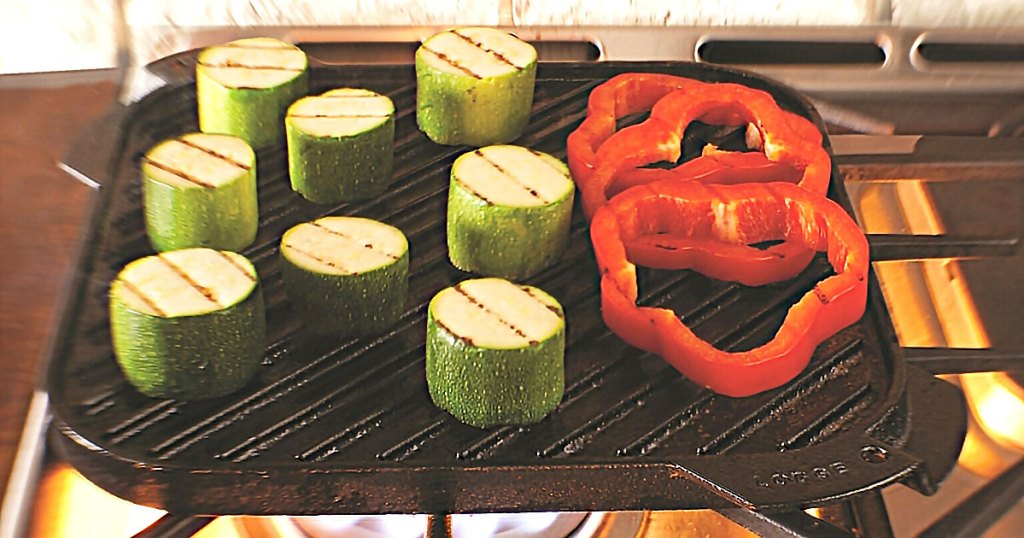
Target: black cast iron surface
{"type": "Point", "coordinates": [348, 427]}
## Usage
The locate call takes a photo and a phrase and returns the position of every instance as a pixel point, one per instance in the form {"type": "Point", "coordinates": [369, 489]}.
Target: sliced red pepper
{"type": "Point", "coordinates": [632, 93]}
{"type": "Point", "coordinates": [715, 167]}
{"type": "Point", "coordinates": [730, 215]}
{"type": "Point", "coordinates": [622, 95]}
{"type": "Point", "coordinates": [787, 139]}
{"type": "Point", "coordinates": [795, 144]}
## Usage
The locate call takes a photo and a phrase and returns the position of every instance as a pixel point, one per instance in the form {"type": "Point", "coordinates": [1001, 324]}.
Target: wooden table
{"type": "Point", "coordinates": [42, 210]}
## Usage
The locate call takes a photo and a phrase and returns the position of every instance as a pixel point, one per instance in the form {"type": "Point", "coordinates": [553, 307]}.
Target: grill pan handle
{"type": "Point", "coordinates": [834, 470]}
{"type": "Point", "coordinates": [94, 150]}
{"type": "Point", "coordinates": [892, 247]}
{"type": "Point", "coordinates": [952, 360]}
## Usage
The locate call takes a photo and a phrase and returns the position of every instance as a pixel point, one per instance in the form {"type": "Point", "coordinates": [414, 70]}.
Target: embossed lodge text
{"type": "Point", "coordinates": [801, 476]}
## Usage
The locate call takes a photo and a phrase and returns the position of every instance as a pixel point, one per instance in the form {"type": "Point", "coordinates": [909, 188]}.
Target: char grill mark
{"type": "Point", "coordinates": [492, 52]}
{"type": "Point", "coordinates": [203, 290]}
{"type": "Point", "coordinates": [519, 332]}
{"type": "Point", "coordinates": [232, 65]}
{"type": "Point", "coordinates": [447, 59]}
{"type": "Point", "coordinates": [473, 191]}
{"type": "Point", "coordinates": [183, 175]}
{"type": "Point", "coordinates": [231, 261]}
{"type": "Point", "coordinates": [319, 259]}
{"type": "Point", "coordinates": [552, 308]}
{"type": "Point", "coordinates": [465, 339]}
{"type": "Point", "coordinates": [368, 246]}
{"type": "Point", "coordinates": [533, 192]}
{"type": "Point", "coordinates": [540, 156]}
{"type": "Point", "coordinates": [338, 116]}
{"type": "Point", "coordinates": [212, 153]}
{"type": "Point", "coordinates": [149, 301]}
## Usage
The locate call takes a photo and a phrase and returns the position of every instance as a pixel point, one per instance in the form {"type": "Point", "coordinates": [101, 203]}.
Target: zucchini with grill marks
{"type": "Point", "coordinates": [509, 210]}
{"type": "Point", "coordinates": [341, 145]}
{"type": "Point", "coordinates": [189, 323]}
{"type": "Point", "coordinates": [495, 352]}
{"type": "Point", "coordinates": [244, 87]}
{"type": "Point", "coordinates": [199, 190]}
{"type": "Point", "coordinates": [474, 86]}
{"type": "Point", "coordinates": [346, 276]}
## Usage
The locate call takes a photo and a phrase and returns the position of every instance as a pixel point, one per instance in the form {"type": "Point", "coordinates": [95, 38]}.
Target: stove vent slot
{"type": "Point", "coordinates": [392, 52]}
{"type": "Point", "coordinates": [566, 51]}
{"type": "Point", "coordinates": [362, 52]}
{"type": "Point", "coordinates": [972, 52]}
{"type": "Point", "coordinates": [772, 52]}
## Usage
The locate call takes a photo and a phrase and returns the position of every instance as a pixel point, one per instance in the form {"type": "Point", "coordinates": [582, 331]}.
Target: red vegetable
{"type": "Point", "coordinates": [730, 216]}
{"type": "Point", "coordinates": [792, 144]}
{"type": "Point", "coordinates": [787, 140]}
{"type": "Point", "coordinates": [622, 95]}
{"type": "Point", "coordinates": [632, 93]}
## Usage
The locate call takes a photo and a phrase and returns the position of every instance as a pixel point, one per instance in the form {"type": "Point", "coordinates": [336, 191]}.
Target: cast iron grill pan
{"type": "Point", "coordinates": [348, 426]}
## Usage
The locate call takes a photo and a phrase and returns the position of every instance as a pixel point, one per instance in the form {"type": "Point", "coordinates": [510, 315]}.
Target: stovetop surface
{"type": "Point", "coordinates": [969, 114]}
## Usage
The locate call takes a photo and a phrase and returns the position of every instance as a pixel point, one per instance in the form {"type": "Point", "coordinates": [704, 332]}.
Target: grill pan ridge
{"type": "Point", "coordinates": [348, 427]}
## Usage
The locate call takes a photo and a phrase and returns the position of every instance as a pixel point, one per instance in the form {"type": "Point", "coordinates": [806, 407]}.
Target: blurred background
{"type": "Point", "coordinates": [63, 35]}
{"type": "Point", "coordinates": [882, 71]}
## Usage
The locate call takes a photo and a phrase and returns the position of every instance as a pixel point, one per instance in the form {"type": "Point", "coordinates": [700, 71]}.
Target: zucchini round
{"type": "Point", "coordinates": [244, 87]}
{"type": "Point", "coordinates": [474, 86]}
{"type": "Point", "coordinates": [199, 190]}
{"type": "Point", "coordinates": [495, 352]}
{"type": "Point", "coordinates": [346, 276]}
{"type": "Point", "coordinates": [341, 145]}
{"type": "Point", "coordinates": [188, 324]}
{"type": "Point", "coordinates": [509, 210]}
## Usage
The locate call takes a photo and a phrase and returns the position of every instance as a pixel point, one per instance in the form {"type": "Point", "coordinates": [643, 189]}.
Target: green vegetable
{"type": "Point", "coordinates": [199, 190]}
{"type": "Point", "coordinates": [341, 145]}
{"type": "Point", "coordinates": [474, 86]}
{"type": "Point", "coordinates": [244, 87]}
{"type": "Point", "coordinates": [495, 352]}
{"type": "Point", "coordinates": [509, 209]}
{"type": "Point", "coordinates": [346, 276]}
{"type": "Point", "coordinates": [188, 324]}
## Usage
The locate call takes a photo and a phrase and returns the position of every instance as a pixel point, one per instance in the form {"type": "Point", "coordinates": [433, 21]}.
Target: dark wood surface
{"type": "Point", "coordinates": [42, 210]}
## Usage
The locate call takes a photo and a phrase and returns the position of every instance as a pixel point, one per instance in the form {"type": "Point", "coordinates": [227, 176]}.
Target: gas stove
{"type": "Point", "coordinates": [915, 160]}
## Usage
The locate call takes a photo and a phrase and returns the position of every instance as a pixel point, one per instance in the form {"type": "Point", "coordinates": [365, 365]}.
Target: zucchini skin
{"type": "Point", "coordinates": [485, 387]}
{"type": "Point", "coordinates": [330, 170]}
{"type": "Point", "coordinates": [346, 306]}
{"type": "Point", "coordinates": [505, 241]}
{"type": "Point", "coordinates": [222, 218]}
{"type": "Point", "coordinates": [254, 115]}
{"type": "Point", "coordinates": [189, 357]}
{"type": "Point", "coordinates": [456, 109]}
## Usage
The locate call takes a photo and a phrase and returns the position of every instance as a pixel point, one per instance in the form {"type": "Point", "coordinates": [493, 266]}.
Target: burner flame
{"type": "Point", "coordinates": [995, 437]}
{"type": "Point", "coordinates": [931, 306]}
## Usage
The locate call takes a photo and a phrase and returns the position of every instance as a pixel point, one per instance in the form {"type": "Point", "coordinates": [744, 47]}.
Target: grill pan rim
{"type": "Point", "coordinates": [65, 414]}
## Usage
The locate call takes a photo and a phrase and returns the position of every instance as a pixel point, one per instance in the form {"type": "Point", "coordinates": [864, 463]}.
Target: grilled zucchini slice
{"type": "Point", "coordinates": [199, 190]}
{"type": "Point", "coordinates": [244, 87]}
{"type": "Point", "coordinates": [509, 210]}
{"type": "Point", "coordinates": [341, 145]}
{"type": "Point", "coordinates": [474, 86]}
{"type": "Point", "coordinates": [495, 352]}
{"type": "Point", "coordinates": [189, 323]}
{"type": "Point", "coordinates": [346, 276]}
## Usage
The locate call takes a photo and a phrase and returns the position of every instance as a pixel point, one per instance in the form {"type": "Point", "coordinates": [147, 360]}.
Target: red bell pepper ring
{"type": "Point", "coordinates": [731, 215]}
{"type": "Point", "coordinates": [795, 144]}
{"type": "Point", "coordinates": [622, 95]}
{"type": "Point", "coordinates": [632, 93]}
{"type": "Point", "coordinates": [785, 140]}
{"type": "Point", "coordinates": [713, 167]}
